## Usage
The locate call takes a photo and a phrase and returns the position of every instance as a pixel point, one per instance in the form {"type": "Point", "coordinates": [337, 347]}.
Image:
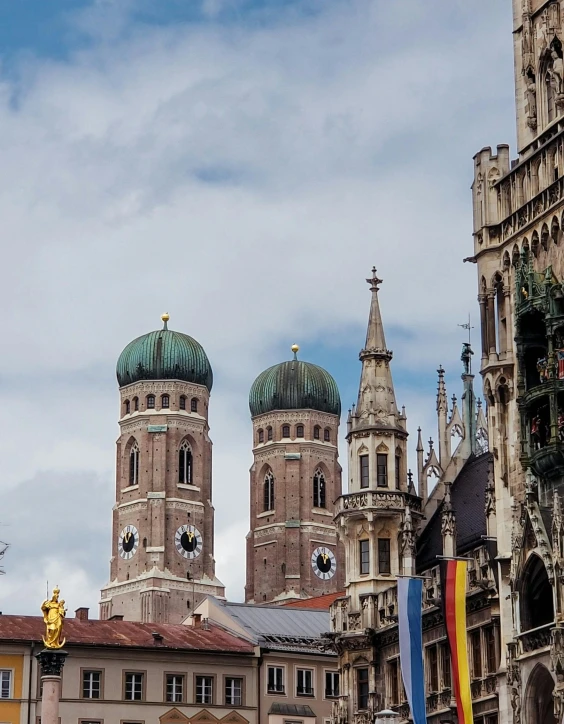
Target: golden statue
{"type": "Point", "coordinates": [54, 616]}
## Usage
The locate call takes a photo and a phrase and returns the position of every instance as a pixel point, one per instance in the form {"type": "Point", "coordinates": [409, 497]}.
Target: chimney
{"type": "Point", "coordinates": [197, 618]}
{"type": "Point", "coordinates": [81, 614]}
{"type": "Point", "coordinates": [116, 617]}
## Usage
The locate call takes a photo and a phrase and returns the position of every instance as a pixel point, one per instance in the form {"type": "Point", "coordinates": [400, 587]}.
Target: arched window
{"type": "Point", "coordinates": [326, 434]}
{"type": "Point", "coordinates": [136, 404]}
{"type": "Point", "coordinates": [285, 430]}
{"type": "Point", "coordinates": [261, 435]}
{"type": "Point", "coordinates": [150, 402]}
{"type": "Point", "coordinates": [127, 407]}
{"type": "Point", "coordinates": [165, 401]}
{"type": "Point", "coordinates": [299, 430]}
{"type": "Point", "coordinates": [316, 432]}
{"type": "Point", "coordinates": [318, 489]}
{"type": "Point", "coordinates": [539, 701]}
{"type": "Point", "coordinates": [182, 402]}
{"type": "Point", "coordinates": [185, 464]}
{"type": "Point", "coordinates": [269, 433]}
{"type": "Point", "coordinates": [194, 404]}
{"type": "Point", "coordinates": [536, 602]}
{"type": "Point", "coordinates": [269, 491]}
{"type": "Point", "coordinates": [134, 465]}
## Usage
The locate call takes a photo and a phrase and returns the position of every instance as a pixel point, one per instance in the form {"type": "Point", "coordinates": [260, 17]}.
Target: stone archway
{"type": "Point", "coordinates": [539, 704]}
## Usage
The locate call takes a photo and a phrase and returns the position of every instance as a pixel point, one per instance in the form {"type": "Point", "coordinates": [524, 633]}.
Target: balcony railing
{"type": "Point", "coordinates": [536, 638]}
{"type": "Point", "coordinates": [385, 499]}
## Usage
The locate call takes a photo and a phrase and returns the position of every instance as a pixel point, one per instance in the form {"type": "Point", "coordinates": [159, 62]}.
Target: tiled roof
{"type": "Point", "coordinates": [126, 634]}
{"type": "Point", "coordinates": [320, 603]}
{"type": "Point", "coordinates": [468, 495]}
{"type": "Point", "coordinates": [291, 709]}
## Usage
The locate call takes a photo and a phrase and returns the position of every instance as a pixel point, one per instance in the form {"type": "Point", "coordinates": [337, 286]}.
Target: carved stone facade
{"type": "Point", "coordinates": [163, 491]}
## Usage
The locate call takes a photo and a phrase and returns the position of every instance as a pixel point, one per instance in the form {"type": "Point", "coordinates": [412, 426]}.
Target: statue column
{"type": "Point", "coordinates": [52, 658]}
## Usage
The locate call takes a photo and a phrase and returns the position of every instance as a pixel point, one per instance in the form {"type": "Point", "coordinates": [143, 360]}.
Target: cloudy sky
{"type": "Point", "coordinates": [240, 164]}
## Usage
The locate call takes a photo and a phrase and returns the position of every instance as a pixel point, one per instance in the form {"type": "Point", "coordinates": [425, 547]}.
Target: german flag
{"type": "Point", "coordinates": [453, 587]}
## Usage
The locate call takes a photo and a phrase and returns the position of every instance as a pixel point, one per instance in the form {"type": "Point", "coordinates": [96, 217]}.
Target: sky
{"type": "Point", "coordinates": [241, 165]}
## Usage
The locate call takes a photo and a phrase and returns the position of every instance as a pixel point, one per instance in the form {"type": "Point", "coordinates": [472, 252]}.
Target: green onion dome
{"type": "Point", "coordinates": [164, 355]}
{"type": "Point", "coordinates": [294, 385]}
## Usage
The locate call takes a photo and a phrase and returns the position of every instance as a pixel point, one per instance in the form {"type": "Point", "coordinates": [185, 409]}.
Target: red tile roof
{"type": "Point", "coordinates": [126, 634]}
{"type": "Point", "coordinates": [320, 603]}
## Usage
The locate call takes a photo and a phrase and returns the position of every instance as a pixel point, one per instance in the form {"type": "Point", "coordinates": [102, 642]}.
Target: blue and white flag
{"type": "Point", "coordinates": [410, 611]}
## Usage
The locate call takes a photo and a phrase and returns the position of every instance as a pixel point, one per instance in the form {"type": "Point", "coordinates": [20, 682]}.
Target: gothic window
{"type": "Point", "coordinates": [536, 600]}
{"type": "Point", "coordinates": [285, 430]}
{"type": "Point", "coordinates": [182, 402]}
{"type": "Point", "coordinates": [476, 652]}
{"type": "Point", "coordinates": [398, 471]}
{"type": "Point", "coordinates": [382, 470]}
{"type": "Point", "coordinates": [134, 465]}
{"type": "Point", "coordinates": [269, 433]}
{"type": "Point", "coordinates": [384, 555]}
{"type": "Point", "coordinates": [299, 431]}
{"type": "Point", "coordinates": [362, 688]}
{"type": "Point", "coordinates": [491, 650]}
{"type": "Point", "coordinates": [150, 402]}
{"type": "Point", "coordinates": [316, 432]}
{"type": "Point", "coordinates": [364, 472]}
{"type": "Point", "coordinates": [165, 401]}
{"type": "Point", "coordinates": [185, 464]}
{"type": "Point", "coordinates": [445, 666]}
{"type": "Point", "coordinates": [269, 491]}
{"type": "Point", "coordinates": [127, 407]}
{"type": "Point", "coordinates": [194, 404]}
{"type": "Point", "coordinates": [393, 682]}
{"type": "Point", "coordinates": [318, 489]}
{"type": "Point", "coordinates": [432, 669]}
{"type": "Point", "coordinates": [364, 550]}
{"type": "Point", "coordinates": [327, 435]}
{"type": "Point", "coordinates": [261, 435]}
{"type": "Point", "coordinates": [136, 404]}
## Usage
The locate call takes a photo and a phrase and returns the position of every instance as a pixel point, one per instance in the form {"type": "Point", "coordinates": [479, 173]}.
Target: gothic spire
{"type": "Point", "coordinates": [376, 398]}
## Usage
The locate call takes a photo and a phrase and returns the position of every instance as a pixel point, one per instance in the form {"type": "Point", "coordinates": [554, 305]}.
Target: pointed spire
{"type": "Point", "coordinates": [442, 404]}
{"type": "Point", "coordinates": [448, 524]}
{"type": "Point", "coordinates": [376, 397]}
{"type": "Point", "coordinates": [442, 411]}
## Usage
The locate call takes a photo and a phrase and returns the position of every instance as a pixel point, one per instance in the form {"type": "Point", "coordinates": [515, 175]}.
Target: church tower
{"type": "Point", "coordinates": [377, 518]}
{"type": "Point", "coordinates": [162, 561]}
{"type": "Point", "coordinates": [292, 549]}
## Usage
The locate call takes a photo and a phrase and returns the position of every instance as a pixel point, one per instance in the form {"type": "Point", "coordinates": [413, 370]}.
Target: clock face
{"type": "Point", "coordinates": [188, 541]}
{"type": "Point", "coordinates": [324, 563]}
{"type": "Point", "coordinates": [128, 542]}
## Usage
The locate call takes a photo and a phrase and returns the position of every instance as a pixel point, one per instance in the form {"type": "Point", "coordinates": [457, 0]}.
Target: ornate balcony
{"type": "Point", "coordinates": [382, 501]}
{"type": "Point", "coordinates": [536, 638]}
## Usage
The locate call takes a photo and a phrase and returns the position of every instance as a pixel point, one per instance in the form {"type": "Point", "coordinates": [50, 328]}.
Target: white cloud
{"type": "Point", "coordinates": [245, 179]}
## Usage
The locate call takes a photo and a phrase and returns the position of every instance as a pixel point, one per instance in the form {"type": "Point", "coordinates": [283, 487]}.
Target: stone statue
{"type": "Point", "coordinates": [531, 96]}
{"type": "Point", "coordinates": [466, 357]}
{"type": "Point", "coordinates": [556, 72]}
{"type": "Point", "coordinates": [54, 616]}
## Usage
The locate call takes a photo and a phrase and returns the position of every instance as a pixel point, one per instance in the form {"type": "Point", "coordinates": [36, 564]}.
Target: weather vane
{"type": "Point", "coordinates": [469, 327]}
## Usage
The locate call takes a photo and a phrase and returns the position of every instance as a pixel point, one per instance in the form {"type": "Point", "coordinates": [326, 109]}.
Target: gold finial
{"type": "Point", "coordinates": [165, 317]}
{"type": "Point", "coordinates": [54, 612]}
{"type": "Point", "coordinates": [295, 349]}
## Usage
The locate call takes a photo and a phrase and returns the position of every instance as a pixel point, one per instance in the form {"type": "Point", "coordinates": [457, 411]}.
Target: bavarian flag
{"type": "Point", "coordinates": [410, 613]}
{"type": "Point", "coordinates": [453, 587]}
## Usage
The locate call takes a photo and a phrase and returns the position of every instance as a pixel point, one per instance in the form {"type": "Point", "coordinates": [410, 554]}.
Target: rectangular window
{"type": "Point", "coordinates": [364, 557]}
{"type": "Point", "coordinates": [432, 669]}
{"type": "Point", "coordinates": [233, 692]}
{"type": "Point", "coordinates": [204, 690]}
{"type": "Point", "coordinates": [331, 684]}
{"type": "Point", "coordinates": [133, 686]}
{"type": "Point", "coordinates": [5, 684]}
{"type": "Point", "coordinates": [362, 688]}
{"type": "Point", "coordinates": [491, 650]}
{"type": "Point", "coordinates": [393, 682]}
{"type": "Point", "coordinates": [384, 555]}
{"type": "Point", "coordinates": [175, 687]}
{"type": "Point", "coordinates": [305, 682]}
{"type": "Point", "coordinates": [364, 472]}
{"type": "Point", "coordinates": [445, 666]}
{"type": "Point", "coordinates": [91, 681]}
{"type": "Point", "coordinates": [275, 680]}
{"type": "Point", "coordinates": [476, 649]}
{"type": "Point", "coordinates": [398, 471]}
{"type": "Point", "coordinates": [382, 470]}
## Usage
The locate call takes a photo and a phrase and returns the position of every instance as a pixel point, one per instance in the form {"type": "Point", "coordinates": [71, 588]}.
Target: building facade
{"type": "Point", "coordinates": [136, 673]}
{"type": "Point", "coordinates": [162, 561]}
{"type": "Point", "coordinates": [295, 479]}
